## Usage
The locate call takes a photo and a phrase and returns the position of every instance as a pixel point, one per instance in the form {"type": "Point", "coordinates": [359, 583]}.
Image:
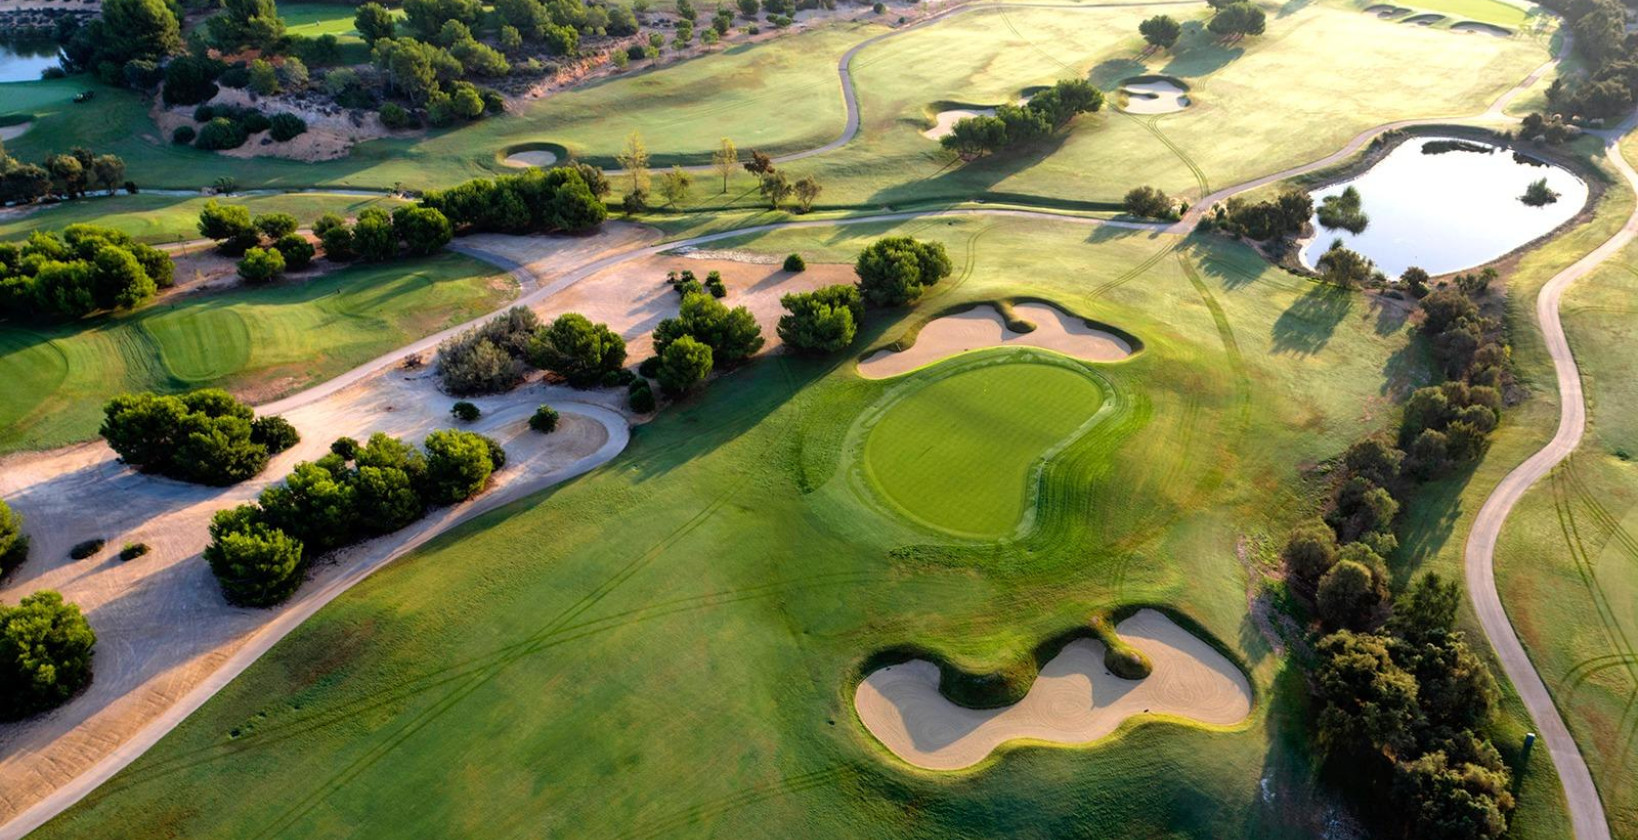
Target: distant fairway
{"type": "Point", "coordinates": [959, 454]}
{"type": "Point", "coordinates": [259, 342]}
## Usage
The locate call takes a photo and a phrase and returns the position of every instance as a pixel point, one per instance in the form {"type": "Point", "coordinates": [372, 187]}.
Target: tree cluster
{"type": "Point", "coordinates": [1449, 424]}
{"type": "Point", "coordinates": [894, 270]}
{"type": "Point", "coordinates": [81, 270]}
{"type": "Point", "coordinates": [45, 654]}
{"type": "Point", "coordinates": [538, 200]}
{"type": "Point", "coordinates": [1610, 90]}
{"type": "Point", "coordinates": [1160, 31]}
{"type": "Point", "coordinates": [230, 126]}
{"type": "Point", "coordinates": [1343, 211]}
{"type": "Point", "coordinates": [259, 551]}
{"type": "Point", "coordinates": [491, 357]}
{"type": "Point", "coordinates": [1281, 216]}
{"type": "Point", "coordinates": [61, 176]}
{"type": "Point", "coordinates": [1346, 267]}
{"type": "Point", "coordinates": [705, 334]}
{"type": "Point", "coordinates": [204, 436]}
{"type": "Point", "coordinates": [1235, 20]}
{"type": "Point", "coordinates": [821, 321]}
{"type": "Point", "coordinates": [1150, 203]}
{"type": "Point", "coordinates": [1045, 113]}
{"type": "Point", "coordinates": [125, 45]}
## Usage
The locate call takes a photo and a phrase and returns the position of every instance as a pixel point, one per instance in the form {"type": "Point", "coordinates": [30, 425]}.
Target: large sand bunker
{"type": "Point", "coordinates": [1424, 20]}
{"type": "Point", "coordinates": [945, 121]}
{"type": "Point", "coordinates": [1054, 330]}
{"type": "Point", "coordinates": [1154, 95]}
{"type": "Point", "coordinates": [1385, 11]}
{"type": "Point", "coordinates": [533, 157]}
{"type": "Point", "coordinates": [1483, 28]}
{"type": "Point", "coordinates": [1075, 700]}
{"type": "Point", "coordinates": [12, 132]}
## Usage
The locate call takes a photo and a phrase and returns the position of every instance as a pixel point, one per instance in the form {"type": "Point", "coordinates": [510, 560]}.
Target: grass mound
{"type": "Point", "coordinates": [1119, 657]}
{"type": "Point", "coordinates": [959, 453]}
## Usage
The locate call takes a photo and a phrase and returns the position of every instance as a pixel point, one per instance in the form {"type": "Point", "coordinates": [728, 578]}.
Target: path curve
{"type": "Point", "coordinates": [1479, 555]}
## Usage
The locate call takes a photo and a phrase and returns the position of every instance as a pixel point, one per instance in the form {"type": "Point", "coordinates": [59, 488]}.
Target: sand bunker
{"type": "Point", "coordinates": [1074, 700]}
{"type": "Point", "coordinates": [535, 157]}
{"type": "Point", "coordinates": [1424, 20]}
{"type": "Point", "coordinates": [984, 327]}
{"type": "Point", "coordinates": [1154, 96]}
{"type": "Point", "coordinates": [1385, 11]}
{"type": "Point", "coordinates": [1484, 28]}
{"type": "Point", "coordinates": [12, 132]}
{"type": "Point", "coordinates": [945, 122]}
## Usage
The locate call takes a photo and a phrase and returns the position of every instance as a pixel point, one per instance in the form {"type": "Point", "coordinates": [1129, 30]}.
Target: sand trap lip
{"type": "Point", "coordinates": [1483, 28]}
{"type": "Point", "coordinates": [533, 157]}
{"type": "Point", "coordinates": [1424, 20]}
{"type": "Point", "coordinates": [1075, 700]}
{"type": "Point", "coordinates": [983, 326]}
{"type": "Point", "coordinates": [945, 121]}
{"type": "Point", "coordinates": [1385, 11]}
{"type": "Point", "coordinates": [1154, 95]}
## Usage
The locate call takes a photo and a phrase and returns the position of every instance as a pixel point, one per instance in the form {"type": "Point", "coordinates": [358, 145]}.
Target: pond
{"type": "Point", "coordinates": [22, 61]}
{"type": "Point", "coordinates": [1450, 210]}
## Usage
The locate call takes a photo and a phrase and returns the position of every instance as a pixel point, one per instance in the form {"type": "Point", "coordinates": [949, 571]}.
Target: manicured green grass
{"type": "Point", "coordinates": [959, 450]}
{"type": "Point", "coordinates": [1484, 11]}
{"type": "Point", "coordinates": [667, 647]}
{"type": "Point", "coordinates": [261, 342]}
{"type": "Point", "coordinates": [311, 20]}
{"type": "Point", "coordinates": [159, 219]}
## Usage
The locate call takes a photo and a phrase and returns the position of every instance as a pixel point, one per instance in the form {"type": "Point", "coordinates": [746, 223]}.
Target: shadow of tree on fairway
{"type": "Point", "coordinates": [973, 180]}
{"type": "Point", "coordinates": [1391, 314]}
{"type": "Point", "coordinates": [1230, 273]}
{"type": "Point", "coordinates": [1428, 523]}
{"type": "Point", "coordinates": [1308, 324]}
{"type": "Point", "coordinates": [1200, 54]}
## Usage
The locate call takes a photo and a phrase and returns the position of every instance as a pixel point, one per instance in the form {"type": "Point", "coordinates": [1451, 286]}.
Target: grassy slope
{"type": "Point", "coordinates": [159, 219]}
{"type": "Point", "coordinates": [1568, 560]}
{"type": "Point", "coordinates": [269, 341]}
{"type": "Point", "coordinates": [665, 647]}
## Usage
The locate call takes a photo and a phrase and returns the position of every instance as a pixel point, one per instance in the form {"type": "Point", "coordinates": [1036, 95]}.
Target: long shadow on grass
{"type": "Point", "coordinates": [973, 180]}
{"type": "Point", "coordinates": [1201, 54]}
{"type": "Point", "coordinates": [1429, 521]}
{"type": "Point", "coordinates": [1308, 324]}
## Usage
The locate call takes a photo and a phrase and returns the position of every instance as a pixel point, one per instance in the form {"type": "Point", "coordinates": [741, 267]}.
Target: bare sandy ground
{"type": "Point", "coordinates": [945, 121]}
{"type": "Point", "coordinates": [539, 157]}
{"type": "Point", "coordinates": [1073, 701]}
{"type": "Point", "coordinates": [1054, 330]}
{"type": "Point", "coordinates": [1154, 97]}
{"type": "Point", "coordinates": [328, 136]}
{"type": "Point", "coordinates": [11, 132]}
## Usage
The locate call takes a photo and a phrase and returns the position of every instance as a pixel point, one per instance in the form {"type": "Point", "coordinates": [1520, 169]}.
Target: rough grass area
{"type": "Point", "coordinates": [961, 453]}
{"type": "Point", "coordinates": [663, 648]}
{"type": "Point", "coordinates": [260, 342]}
{"type": "Point", "coordinates": [159, 219]}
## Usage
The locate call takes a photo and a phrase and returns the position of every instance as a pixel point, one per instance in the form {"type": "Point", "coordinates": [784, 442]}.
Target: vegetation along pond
{"type": "Point", "coordinates": [1446, 204]}
{"type": "Point", "coordinates": [22, 61]}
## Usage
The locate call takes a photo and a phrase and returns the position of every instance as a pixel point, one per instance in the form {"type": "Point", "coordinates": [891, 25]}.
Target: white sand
{"type": "Point", "coordinates": [974, 329]}
{"type": "Point", "coordinates": [10, 132]}
{"type": "Point", "coordinates": [523, 160]}
{"type": "Point", "coordinates": [1074, 700]}
{"type": "Point", "coordinates": [1154, 97]}
{"type": "Point", "coordinates": [945, 122]}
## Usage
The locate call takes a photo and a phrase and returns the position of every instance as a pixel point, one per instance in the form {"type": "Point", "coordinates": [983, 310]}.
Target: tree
{"type": "Point", "coordinates": [684, 364]}
{"type": "Point", "coordinates": [726, 160]}
{"type": "Point", "coordinates": [732, 334]}
{"type": "Point", "coordinates": [1160, 31]}
{"type": "Point", "coordinates": [275, 225]}
{"type": "Point", "coordinates": [261, 265]}
{"type": "Point", "coordinates": [675, 185]}
{"type": "Point", "coordinates": [458, 466]}
{"type": "Point", "coordinates": [1374, 459]}
{"type": "Point", "coordinates": [137, 29]}
{"type": "Point", "coordinates": [634, 160]}
{"type": "Point", "coordinates": [246, 23]}
{"type": "Point", "coordinates": [578, 350]}
{"type": "Point", "coordinates": [1149, 202]}
{"type": "Point", "coordinates": [13, 542]}
{"type": "Point", "coordinates": [1427, 610]}
{"type": "Point", "coordinates": [190, 80]}
{"type": "Point", "coordinates": [894, 270]}
{"type": "Point", "coordinates": [1345, 267]}
{"type": "Point", "coordinates": [1309, 552]}
{"type": "Point", "coordinates": [373, 22]}
{"type": "Point", "coordinates": [296, 251]}
{"type": "Point", "coordinates": [264, 80]}
{"type": "Point", "coordinates": [1349, 595]}
{"type": "Point", "coordinates": [776, 188]}
{"type": "Point", "coordinates": [373, 236]}
{"type": "Point", "coordinates": [821, 321]}
{"type": "Point", "coordinates": [229, 225]}
{"type": "Point", "coordinates": [424, 230]}
{"type": "Point", "coordinates": [45, 654]}
{"type": "Point", "coordinates": [759, 164]}
{"type": "Point", "coordinates": [1237, 20]}
{"type": "Point", "coordinates": [256, 565]}
{"type": "Point", "coordinates": [974, 137]}
{"type": "Point", "coordinates": [807, 190]}
{"type": "Point", "coordinates": [1366, 700]}
{"type": "Point", "coordinates": [465, 412]}
{"type": "Point", "coordinates": [203, 436]}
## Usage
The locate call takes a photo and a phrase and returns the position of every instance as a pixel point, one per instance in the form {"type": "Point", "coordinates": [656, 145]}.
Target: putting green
{"type": "Point", "coordinates": [960, 454]}
{"type": "Point", "coordinates": [200, 345]}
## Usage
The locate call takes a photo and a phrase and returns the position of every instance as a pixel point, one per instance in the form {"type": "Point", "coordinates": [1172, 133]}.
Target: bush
{"type": "Point", "coordinates": [684, 363]}
{"type": "Point", "coordinates": [256, 565]}
{"type": "Point", "coordinates": [732, 334]}
{"type": "Point", "coordinates": [229, 225]}
{"type": "Point", "coordinates": [13, 542]}
{"type": "Point", "coordinates": [649, 367]}
{"type": "Point", "coordinates": [423, 229]}
{"type": "Point", "coordinates": [132, 551]}
{"type": "Point", "coordinates": [86, 548]}
{"type": "Point", "coordinates": [394, 117]}
{"type": "Point", "coordinates": [458, 465]}
{"type": "Point", "coordinates": [261, 265]}
{"type": "Point", "coordinates": [465, 412]}
{"type": "Point", "coordinates": [203, 436]}
{"type": "Point", "coordinates": [183, 135]}
{"type": "Point", "coordinates": [795, 263]}
{"type": "Point", "coordinates": [578, 350]}
{"type": "Point", "coordinates": [275, 225]}
{"type": "Point", "coordinates": [345, 447]}
{"type": "Point", "coordinates": [488, 359]}
{"type": "Point", "coordinates": [894, 270]}
{"type": "Point", "coordinates": [821, 321]}
{"type": "Point", "coordinates": [544, 420]}
{"type": "Point", "coordinates": [296, 250]}
{"type": "Point", "coordinates": [274, 433]}
{"type": "Point", "coordinates": [1149, 203]}
{"type": "Point", "coordinates": [337, 242]}
{"type": "Point", "coordinates": [220, 133]}
{"type": "Point", "coordinates": [642, 399]}
{"type": "Point", "coordinates": [45, 654]}
{"type": "Point", "coordinates": [286, 127]}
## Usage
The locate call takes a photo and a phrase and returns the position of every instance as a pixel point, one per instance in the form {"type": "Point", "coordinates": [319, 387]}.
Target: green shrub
{"type": "Point", "coordinates": [273, 433]}
{"type": "Point", "coordinates": [286, 127]}
{"type": "Point", "coordinates": [296, 250]}
{"type": "Point", "coordinates": [894, 270]}
{"type": "Point", "coordinates": [649, 368]}
{"type": "Point", "coordinates": [821, 321]}
{"type": "Point", "coordinates": [132, 551]}
{"type": "Point", "coordinates": [183, 135]}
{"type": "Point", "coordinates": [203, 436]}
{"type": "Point", "coordinates": [255, 564]}
{"type": "Point", "coordinates": [684, 363]}
{"type": "Point", "coordinates": [458, 465]}
{"type": "Point", "coordinates": [346, 447]}
{"type": "Point", "coordinates": [795, 263]}
{"type": "Point", "coordinates": [642, 398]}
{"type": "Point", "coordinates": [275, 225]}
{"type": "Point", "coordinates": [465, 412]}
{"type": "Point", "coordinates": [220, 133]}
{"type": "Point", "coordinates": [13, 542]}
{"type": "Point", "coordinates": [578, 350]}
{"type": "Point", "coordinates": [544, 420]}
{"type": "Point", "coordinates": [45, 654]}
{"type": "Point", "coordinates": [86, 548]}
{"type": "Point", "coordinates": [394, 117]}
{"type": "Point", "coordinates": [261, 265]}
{"type": "Point", "coordinates": [488, 359]}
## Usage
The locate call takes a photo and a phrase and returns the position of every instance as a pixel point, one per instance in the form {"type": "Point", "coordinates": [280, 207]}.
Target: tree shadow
{"type": "Point", "coordinates": [1391, 315]}
{"type": "Point", "coordinates": [1308, 324]}
{"type": "Point", "coordinates": [1226, 271]}
{"type": "Point", "coordinates": [971, 180]}
{"type": "Point", "coordinates": [1203, 55]}
{"type": "Point", "coordinates": [1426, 526]}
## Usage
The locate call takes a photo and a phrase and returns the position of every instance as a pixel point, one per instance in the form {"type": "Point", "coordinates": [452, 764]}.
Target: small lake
{"type": "Point", "coordinates": [22, 61]}
{"type": "Point", "coordinates": [1449, 211]}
